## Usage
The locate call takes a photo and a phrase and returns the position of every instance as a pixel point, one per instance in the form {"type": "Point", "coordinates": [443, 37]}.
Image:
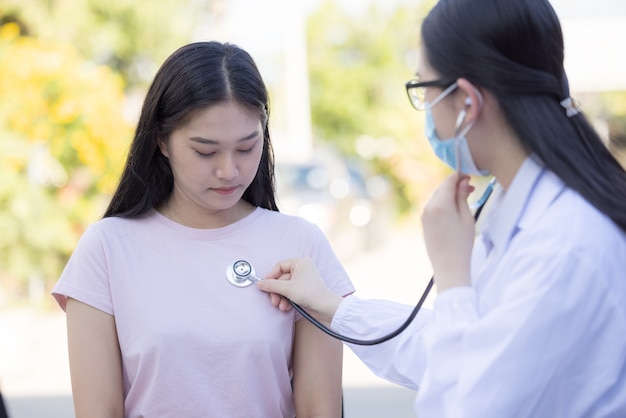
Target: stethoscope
{"type": "Point", "coordinates": [242, 274]}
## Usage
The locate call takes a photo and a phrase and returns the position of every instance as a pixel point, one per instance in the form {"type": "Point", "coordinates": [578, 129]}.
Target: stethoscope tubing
{"type": "Point", "coordinates": [374, 341]}
{"type": "Point", "coordinates": [480, 204]}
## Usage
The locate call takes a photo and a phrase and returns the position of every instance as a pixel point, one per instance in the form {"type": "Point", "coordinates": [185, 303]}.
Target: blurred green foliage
{"type": "Point", "coordinates": [67, 69]}
{"type": "Point", "coordinates": [358, 64]}
{"type": "Point", "coordinates": [132, 37]}
{"type": "Point", "coordinates": [614, 108]}
{"type": "Point", "coordinates": [62, 141]}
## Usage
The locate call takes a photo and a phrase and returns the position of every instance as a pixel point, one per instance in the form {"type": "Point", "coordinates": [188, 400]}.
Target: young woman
{"type": "Point", "coordinates": [158, 324]}
{"type": "Point", "coordinates": [530, 317]}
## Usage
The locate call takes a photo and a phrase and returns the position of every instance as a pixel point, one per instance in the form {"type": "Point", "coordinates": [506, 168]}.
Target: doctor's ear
{"type": "Point", "coordinates": [472, 99]}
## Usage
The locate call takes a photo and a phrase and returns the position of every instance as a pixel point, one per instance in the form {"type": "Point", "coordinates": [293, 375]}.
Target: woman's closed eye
{"type": "Point", "coordinates": [209, 154]}
{"type": "Point", "coordinates": [202, 154]}
{"type": "Point", "coordinates": [246, 151]}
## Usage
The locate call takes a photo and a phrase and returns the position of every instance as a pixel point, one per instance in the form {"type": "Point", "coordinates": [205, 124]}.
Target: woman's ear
{"type": "Point", "coordinates": [472, 100]}
{"type": "Point", "coordinates": [163, 147]}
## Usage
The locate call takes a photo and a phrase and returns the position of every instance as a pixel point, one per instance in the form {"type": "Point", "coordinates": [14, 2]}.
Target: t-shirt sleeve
{"type": "Point", "coordinates": [85, 276]}
{"type": "Point", "coordinates": [328, 265]}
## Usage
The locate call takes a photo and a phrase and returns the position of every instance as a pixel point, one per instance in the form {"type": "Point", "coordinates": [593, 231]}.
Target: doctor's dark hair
{"type": "Point", "coordinates": [194, 77]}
{"type": "Point", "coordinates": [514, 49]}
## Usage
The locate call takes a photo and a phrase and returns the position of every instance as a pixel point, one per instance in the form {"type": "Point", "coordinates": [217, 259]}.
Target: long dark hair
{"type": "Point", "coordinates": [514, 49]}
{"type": "Point", "coordinates": [195, 76]}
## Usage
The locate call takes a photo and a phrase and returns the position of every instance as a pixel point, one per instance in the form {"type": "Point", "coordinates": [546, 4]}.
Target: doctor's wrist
{"type": "Point", "coordinates": [445, 282]}
{"type": "Point", "coordinates": [326, 308]}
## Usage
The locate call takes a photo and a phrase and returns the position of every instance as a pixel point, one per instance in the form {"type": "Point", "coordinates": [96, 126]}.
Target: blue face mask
{"type": "Point", "coordinates": [452, 151]}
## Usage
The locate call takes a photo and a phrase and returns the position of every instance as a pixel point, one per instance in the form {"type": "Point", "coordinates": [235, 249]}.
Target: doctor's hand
{"type": "Point", "coordinates": [448, 227]}
{"type": "Point", "coordinates": [299, 280]}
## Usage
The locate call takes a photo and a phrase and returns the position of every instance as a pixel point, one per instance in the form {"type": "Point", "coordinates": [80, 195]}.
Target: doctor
{"type": "Point", "coordinates": [530, 317]}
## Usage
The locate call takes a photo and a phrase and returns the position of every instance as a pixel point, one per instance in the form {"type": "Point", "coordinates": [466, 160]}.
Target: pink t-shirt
{"type": "Point", "coordinates": [192, 344]}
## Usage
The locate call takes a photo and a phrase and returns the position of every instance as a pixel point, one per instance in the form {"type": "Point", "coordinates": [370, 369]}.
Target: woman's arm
{"type": "Point", "coordinates": [400, 360]}
{"type": "Point", "coordinates": [95, 362]}
{"type": "Point", "coordinates": [317, 372]}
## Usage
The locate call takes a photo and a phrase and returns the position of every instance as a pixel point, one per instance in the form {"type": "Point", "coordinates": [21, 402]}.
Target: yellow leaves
{"type": "Point", "coordinates": [49, 93]}
{"type": "Point", "coordinates": [89, 151]}
{"type": "Point", "coordinates": [65, 111]}
{"type": "Point", "coordinates": [9, 31]}
{"type": "Point", "coordinates": [615, 103]}
{"type": "Point", "coordinates": [62, 130]}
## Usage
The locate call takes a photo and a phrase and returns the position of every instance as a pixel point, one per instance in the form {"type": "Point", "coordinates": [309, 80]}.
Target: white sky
{"type": "Point", "coordinates": [594, 31]}
{"type": "Point", "coordinates": [273, 32]}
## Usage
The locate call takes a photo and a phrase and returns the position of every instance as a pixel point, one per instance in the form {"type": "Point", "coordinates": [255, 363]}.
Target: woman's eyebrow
{"type": "Point", "coordinates": [202, 140]}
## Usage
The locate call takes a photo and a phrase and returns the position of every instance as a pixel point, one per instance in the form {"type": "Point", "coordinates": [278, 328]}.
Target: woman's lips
{"type": "Point", "coordinates": [225, 190]}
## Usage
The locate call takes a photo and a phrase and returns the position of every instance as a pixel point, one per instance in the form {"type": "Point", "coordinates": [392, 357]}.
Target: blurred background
{"type": "Point", "coordinates": [350, 151]}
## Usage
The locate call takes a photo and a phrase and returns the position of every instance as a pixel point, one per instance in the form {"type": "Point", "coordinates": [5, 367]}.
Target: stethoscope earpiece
{"type": "Point", "coordinates": [241, 274]}
{"type": "Point", "coordinates": [459, 121]}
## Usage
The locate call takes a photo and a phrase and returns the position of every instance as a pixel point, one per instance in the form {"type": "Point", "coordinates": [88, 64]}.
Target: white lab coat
{"type": "Point", "coordinates": [540, 333]}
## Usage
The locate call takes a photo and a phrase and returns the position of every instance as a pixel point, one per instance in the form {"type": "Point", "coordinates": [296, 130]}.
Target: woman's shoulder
{"type": "Point", "coordinates": [122, 222]}
{"type": "Point", "coordinates": [286, 220]}
{"type": "Point", "coordinates": [116, 225]}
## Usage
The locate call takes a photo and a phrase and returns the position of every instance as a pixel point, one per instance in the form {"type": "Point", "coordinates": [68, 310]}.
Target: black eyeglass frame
{"type": "Point", "coordinates": [416, 84]}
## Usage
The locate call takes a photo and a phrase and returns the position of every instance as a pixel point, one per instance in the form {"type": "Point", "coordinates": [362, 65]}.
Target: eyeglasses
{"type": "Point", "coordinates": [416, 91]}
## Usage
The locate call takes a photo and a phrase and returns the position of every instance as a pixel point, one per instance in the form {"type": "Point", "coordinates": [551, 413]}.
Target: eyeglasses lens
{"type": "Point", "coordinates": [418, 97]}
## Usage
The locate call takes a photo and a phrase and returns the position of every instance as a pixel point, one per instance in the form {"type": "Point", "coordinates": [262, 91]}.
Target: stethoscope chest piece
{"type": "Point", "coordinates": [241, 274]}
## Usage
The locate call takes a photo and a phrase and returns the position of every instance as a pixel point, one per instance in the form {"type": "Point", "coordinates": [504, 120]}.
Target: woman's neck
{"type": "Point", "coordinates": [202, 218]}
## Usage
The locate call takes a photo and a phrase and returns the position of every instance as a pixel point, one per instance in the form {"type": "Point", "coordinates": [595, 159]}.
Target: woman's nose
{"type": "Point", "coordinates": [227, 169]}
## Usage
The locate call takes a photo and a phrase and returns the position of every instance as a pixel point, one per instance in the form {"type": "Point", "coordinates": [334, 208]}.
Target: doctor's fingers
{"type": "Point", "coordinates": [277, 289]}
{"type": "Point", "coordinates": [304, 285]}
{"type": "Point", "coordinates": [284, 304]}
{"type": "Point", "coordinates": [279, 301]}
{"type": "Point", "coordinates": [446, 219]}
{"type": "Point", "coordinates": [449, 198]}
{"type": "Point", "coordinates": [464, 189]}
{"type": "Point", "coordinates": [283, 268]}
{"type": "Point", "coordinates": [280, 292]}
